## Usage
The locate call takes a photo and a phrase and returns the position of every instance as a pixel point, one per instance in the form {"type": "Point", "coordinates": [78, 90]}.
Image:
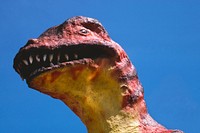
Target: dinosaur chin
{"type": "Point", "coordinates": [35, 61]}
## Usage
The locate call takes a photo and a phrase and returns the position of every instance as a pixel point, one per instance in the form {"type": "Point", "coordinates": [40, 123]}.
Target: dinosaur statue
{"type": "Point", "coordinates": [78, 63]}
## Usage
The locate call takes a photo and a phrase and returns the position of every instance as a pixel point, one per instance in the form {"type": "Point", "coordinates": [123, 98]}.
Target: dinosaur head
{"type": "Point", "coordinates": [78, 63]}
{"type": "Point", "coordinates": [78, 44]}
{"type": "Point", "coordinates": [79, 40]}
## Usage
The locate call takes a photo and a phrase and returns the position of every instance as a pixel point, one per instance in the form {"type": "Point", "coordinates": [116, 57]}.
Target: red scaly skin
{"type": "Point", "coordinates": [93, 52]}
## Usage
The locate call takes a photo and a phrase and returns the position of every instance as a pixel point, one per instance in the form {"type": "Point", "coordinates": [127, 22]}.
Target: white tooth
{"type": "Point", "coordinates": [25, 62]}
{"type": "Point", "coordinates": [51, 64]}
{"type": "Point", "coordinates": [50, 57]}
{"type": "Point", "coordinates": [37, 58]}
{"type": "Point", "coordinates": [30, 59]}
{"type": "Point", "coordinates": [45, 57]}
{"type": "Point", "coordinates": [18, 70]}
{"type": "Point", "coordinates": [75, 56]}
{"type": "Point", "coordinates": [66, 56]}
{"type": "Point", "coordinates": [58, 57]}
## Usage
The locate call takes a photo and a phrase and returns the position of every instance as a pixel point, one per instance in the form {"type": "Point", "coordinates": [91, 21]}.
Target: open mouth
{"type": "Point", "coordinates": [30, 63]}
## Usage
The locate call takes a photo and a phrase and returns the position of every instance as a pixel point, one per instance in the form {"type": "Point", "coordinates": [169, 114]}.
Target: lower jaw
{"type": "Point", "coordinates": [93, 64]}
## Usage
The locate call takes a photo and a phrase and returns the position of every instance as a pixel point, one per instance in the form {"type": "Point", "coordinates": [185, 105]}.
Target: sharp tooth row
{"type": "Point", "coordinates": [44, 58]}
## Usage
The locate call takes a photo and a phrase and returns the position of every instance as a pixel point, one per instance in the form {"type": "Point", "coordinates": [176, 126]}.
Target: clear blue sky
{"type": "Point", "coordinates": [161, 37]}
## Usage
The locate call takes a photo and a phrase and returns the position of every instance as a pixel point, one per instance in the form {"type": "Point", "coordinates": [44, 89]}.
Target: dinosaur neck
{"type": "Point", "coordinates": [102, 103]}
{"type": "Point", "coordinates": [102, 111]}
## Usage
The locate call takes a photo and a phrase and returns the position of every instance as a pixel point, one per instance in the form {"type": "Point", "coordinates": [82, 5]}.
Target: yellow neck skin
{"type": "Point", "coordinates": [93, 94]}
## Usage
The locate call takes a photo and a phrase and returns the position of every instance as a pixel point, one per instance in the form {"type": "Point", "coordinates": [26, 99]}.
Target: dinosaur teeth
{"type": "Point", "coordinates": [58, 57]}
{"type": "Point", "coordinates": [75, 56]}
{"type": "Point", "coordinates": [30, 59]}
{"type": "Point", "coordinates": [25, 62]}
{"type": "Point", "coordinates": [51, 64]}
{"type": "Point", "coordinates": [66, 56]}
{"type": "Point", "coordinates": [44, 57]}
{"type": "Point", "coordinates": [50, 57]}
{"type": "Point", "coordinates": [18, 70]}
{"type": "Point", "coordinates": [37, 58]}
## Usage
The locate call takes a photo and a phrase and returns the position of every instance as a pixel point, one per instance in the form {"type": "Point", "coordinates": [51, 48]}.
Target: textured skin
{"type": "Point", "coordinates": [103, 91]}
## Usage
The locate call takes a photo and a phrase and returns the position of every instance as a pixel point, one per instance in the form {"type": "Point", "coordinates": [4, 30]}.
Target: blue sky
{"type": "Point", "coordinates": [161, 37]}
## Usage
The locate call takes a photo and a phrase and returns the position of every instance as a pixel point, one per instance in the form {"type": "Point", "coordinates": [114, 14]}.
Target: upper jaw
{"type": "Point", "coordinates": [36, 60]}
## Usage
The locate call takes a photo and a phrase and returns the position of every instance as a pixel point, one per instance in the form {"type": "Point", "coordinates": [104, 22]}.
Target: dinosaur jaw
{"type": "Point", "coordinates": [30, 63]}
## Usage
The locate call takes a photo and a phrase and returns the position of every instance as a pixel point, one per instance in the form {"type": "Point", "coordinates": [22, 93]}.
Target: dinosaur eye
{"type": "Point", "coordinates": [83, 31]}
